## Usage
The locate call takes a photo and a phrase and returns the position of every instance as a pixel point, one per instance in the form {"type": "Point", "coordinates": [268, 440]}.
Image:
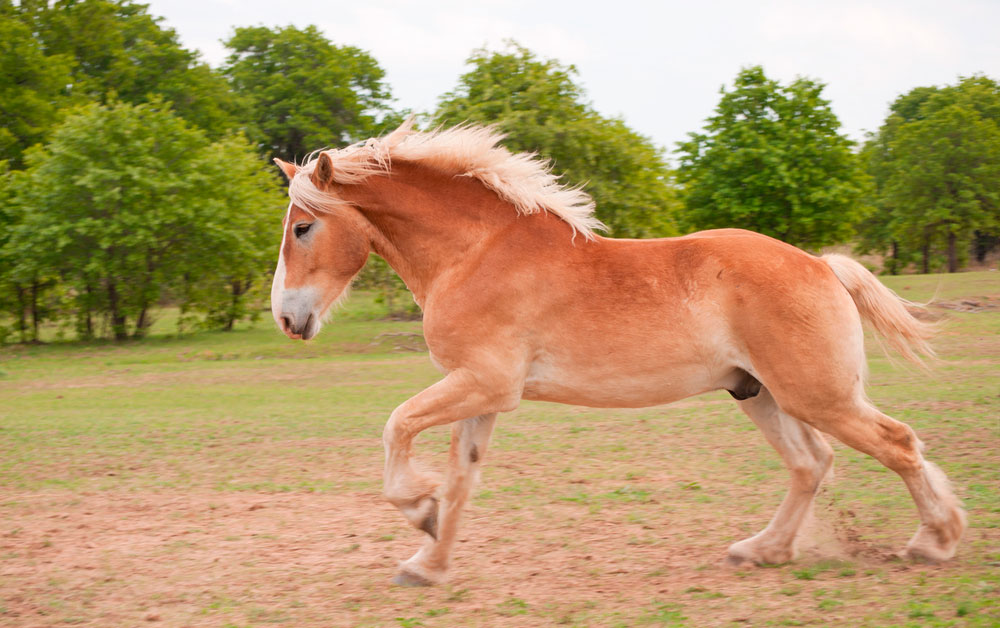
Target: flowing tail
{"type": "Point", "coordinates": [884, 309]}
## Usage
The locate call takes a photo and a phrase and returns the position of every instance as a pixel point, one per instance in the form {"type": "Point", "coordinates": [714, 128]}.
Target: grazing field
{"type": "Point", "coordinates": [220, 479]}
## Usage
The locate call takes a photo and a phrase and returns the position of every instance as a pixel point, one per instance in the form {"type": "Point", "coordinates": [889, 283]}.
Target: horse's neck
{"type": "Point", "coordinates": [426, 223]}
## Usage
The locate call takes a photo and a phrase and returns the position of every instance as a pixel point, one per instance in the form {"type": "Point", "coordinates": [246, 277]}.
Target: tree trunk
{"type": "Point", "coordinates": [952, 253]}
{"type": "Point", "coordinates": [984, 243]}
{"type": "Point", "coordinates": [22, 322]}
{"type": "Point", "coordinates": [90, 306]}
{"type": "Point", "coordinates": [117, 318]}
{"type": "Point", "coordinates": [34, 311]}
{"type": "Point", "coordinates": [238, 290]}
{"type": "Point", "coordinates": [141, 323]}
{"type": "Point", "coordinates": [894, 267]}
{"type": "Point", "coordinates": [926, 251]}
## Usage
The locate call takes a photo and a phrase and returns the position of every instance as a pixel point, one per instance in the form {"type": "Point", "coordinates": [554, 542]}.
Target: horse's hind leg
{"type": "Point", "coordinates": [894, 444]}
{"type": "Point", "coordinates": [469, 439]}
{"type": "Point", "coordinates": [808, 457]}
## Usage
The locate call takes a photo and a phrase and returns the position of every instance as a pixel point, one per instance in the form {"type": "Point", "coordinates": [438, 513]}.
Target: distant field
{"type": "Point", "coordinates": [233, 479]}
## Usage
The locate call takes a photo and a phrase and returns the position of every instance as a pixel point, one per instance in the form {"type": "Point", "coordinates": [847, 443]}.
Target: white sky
{"type": "Point", "coordinates": [658, 64]}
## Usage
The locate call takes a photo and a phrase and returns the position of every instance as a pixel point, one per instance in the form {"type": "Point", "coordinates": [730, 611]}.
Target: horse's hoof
{"type": "Point", "coordinates": [409, 579]}
{"type": "Point", "coordinates": [748, 552]}
{"type": "Point", "coordinates": [924, 555]}
{"type": "Point", "coordinates": [936, 545]}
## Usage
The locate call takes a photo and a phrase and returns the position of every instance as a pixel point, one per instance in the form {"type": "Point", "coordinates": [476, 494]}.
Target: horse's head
{"type": "Point", "coordinates": [320, 254]}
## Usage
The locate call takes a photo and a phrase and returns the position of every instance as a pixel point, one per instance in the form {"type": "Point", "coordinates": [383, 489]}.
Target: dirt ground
{"type": "Point", "coordinates": [197, 559]}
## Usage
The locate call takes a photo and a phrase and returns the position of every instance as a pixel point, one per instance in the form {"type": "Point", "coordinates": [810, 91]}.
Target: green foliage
{"type": "Point", "coordinates": [164, 209]}
{"type": "Point", "coordinates": [540, 108]}
{"type": "Point", "coordinates": [936, 166]}
{"type": "Point", "coordinates": [32, 87]}
{"type": "Point", "coordinates": [772, 160]}
{"type": "Point", "coordinates": [7, 222]}
{"type": "Point", "coordinates": [122, 53]}
{"type": "Point", "coordinates": [238, 234]}
{"type": "Point", "coordinates": [303, 92]}
{"type": "Point", "coordinates": [391, 293]}
{"type": "Point", "coordinates": [24, 279]}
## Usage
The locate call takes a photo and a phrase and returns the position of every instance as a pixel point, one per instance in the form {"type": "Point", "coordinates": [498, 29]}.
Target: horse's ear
{"type": "Point", "coordinates": [287, 168]}
{"type": "Point", "coordinates": [322, 174]}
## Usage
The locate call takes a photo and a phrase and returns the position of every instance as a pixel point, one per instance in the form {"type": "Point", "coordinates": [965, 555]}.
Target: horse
{"type": "Point", "coordinates": [521, 299]}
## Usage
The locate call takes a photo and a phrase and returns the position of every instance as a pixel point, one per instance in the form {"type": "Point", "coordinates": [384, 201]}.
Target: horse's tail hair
{"type": "Point", "coordinates": [885, 310]}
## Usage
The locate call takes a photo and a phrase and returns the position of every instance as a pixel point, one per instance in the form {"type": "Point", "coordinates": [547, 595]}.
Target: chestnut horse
{"type": "Point", "coordinates": [521, 300]}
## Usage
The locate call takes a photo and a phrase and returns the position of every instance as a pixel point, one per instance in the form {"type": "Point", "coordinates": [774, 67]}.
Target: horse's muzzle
{"type": "Point", "coordinates": [296, 330]}
{"type": "Point", "coordinates": [296, 313]}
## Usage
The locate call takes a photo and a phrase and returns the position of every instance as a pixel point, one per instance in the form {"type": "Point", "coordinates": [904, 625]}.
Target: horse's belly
{"type": "Point", "coordinates": [617, 386]}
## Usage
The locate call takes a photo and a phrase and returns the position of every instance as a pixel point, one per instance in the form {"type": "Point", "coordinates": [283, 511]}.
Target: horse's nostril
{"type": "Point", "coordinates": [286, 323]}
{"type": "Point", "coordinates": [308, 330]}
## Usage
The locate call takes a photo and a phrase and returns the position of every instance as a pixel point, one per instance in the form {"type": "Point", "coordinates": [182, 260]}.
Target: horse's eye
{"type": "Point", "coordinates": [301, 229]}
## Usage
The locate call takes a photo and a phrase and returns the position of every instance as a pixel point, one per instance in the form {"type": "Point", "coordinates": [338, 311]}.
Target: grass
{"type": "Point", "coordinates": [233, 478]}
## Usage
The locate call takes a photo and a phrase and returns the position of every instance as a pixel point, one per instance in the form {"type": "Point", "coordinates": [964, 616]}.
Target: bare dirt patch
{"type": "Point", "coordinates": [989, 303]}
{"type": "Point", "coordinates": [207, 559]}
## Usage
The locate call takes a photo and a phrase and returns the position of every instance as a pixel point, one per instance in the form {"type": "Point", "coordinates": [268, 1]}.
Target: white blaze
{"type": "Point", "coordinates": [278, 285]}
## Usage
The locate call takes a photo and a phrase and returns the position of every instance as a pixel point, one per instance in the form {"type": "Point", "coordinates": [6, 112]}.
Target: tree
{"type": "Point", "coordinates": [33, 86]}
{"type": "Point", "coordinates": [120, 227]}
{"type": "Point", "coordinates": [875, 230]}
{"type": "Point", "coordinates": [240, 224]}
{"type": "Point", "coordinates": [772, 160]}
{"type": "Point", "coordinates": [25, 275]}
{"type": "Point", "coordinates": [540, 108]}
{"type": "Point", "coordinates": [302, 92]}
{"type": "Point", "coordinates": [115, 51]}
{"type": "Point", "coordinates": [936, 166]}
{"type": "Point", "coordinates": [8, 220]}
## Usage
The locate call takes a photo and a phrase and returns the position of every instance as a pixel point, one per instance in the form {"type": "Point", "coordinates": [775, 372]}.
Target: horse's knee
{"type": "Point", "coordinates": [395, 427]}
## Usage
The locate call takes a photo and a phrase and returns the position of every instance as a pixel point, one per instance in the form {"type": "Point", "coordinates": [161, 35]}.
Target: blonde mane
{"type": "Point", "coordinates": [471, 151]}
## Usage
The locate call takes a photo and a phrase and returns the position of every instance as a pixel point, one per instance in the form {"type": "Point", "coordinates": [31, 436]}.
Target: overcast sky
{"type": "Point", "coordinates": [657, 64]}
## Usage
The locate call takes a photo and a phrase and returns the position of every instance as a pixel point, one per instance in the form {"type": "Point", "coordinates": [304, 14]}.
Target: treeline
{"type": "Point", "coordinates": [935, 171]}
{"type": "Point", "coordinates": [132, 174]}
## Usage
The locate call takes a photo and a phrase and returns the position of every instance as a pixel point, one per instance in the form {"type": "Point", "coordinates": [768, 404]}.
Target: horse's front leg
{"type": "Point", "coordinates": [460, 395]}
{"type": "Point", "coordinates": [469, 440]}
